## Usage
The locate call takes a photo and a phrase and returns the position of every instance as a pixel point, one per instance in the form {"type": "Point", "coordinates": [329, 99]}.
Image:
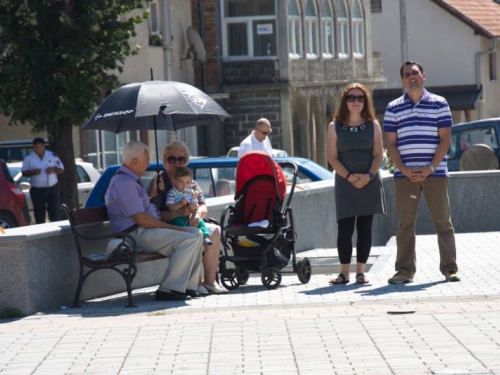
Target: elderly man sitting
{"type": "Point", "coordinates": [130, 210]}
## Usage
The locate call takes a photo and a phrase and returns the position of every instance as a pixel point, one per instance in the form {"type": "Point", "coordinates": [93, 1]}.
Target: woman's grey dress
{"type": "Point", "coordinates": [355, 152]}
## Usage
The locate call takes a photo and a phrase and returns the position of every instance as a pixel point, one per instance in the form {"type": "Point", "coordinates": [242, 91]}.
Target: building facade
{"type": "Point", "coordinates": [457, 43]}
{"type": "Point", "coordinates": [286, 60]}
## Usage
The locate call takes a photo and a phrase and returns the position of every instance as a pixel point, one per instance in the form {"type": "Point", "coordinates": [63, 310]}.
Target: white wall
{"type": "Point", "coordinates": [138, 68]}
{"type": "Point", "coordinates": [444, 45]}
{"type": "Point", "coordinates": [491, 89]}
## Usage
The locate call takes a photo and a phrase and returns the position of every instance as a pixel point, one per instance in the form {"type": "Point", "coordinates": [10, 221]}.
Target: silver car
{"type": "Point", "coordinates": [87, 178]}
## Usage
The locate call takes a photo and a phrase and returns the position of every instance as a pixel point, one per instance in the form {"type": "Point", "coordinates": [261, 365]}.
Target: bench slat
{"type": "Point", "coordinates": [103, 258]}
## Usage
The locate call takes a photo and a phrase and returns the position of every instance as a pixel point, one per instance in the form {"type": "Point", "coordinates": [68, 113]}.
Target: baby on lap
{"type": "Point", "coordinates": [182, 195]}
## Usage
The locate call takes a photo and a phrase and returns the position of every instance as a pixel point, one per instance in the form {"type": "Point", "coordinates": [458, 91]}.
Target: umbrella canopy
{"type": "Point", "coordinates": [151, 105]}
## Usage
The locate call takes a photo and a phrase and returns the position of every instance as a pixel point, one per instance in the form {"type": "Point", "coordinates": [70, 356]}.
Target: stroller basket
{"type": "Point", "coordinates": [277, 253]}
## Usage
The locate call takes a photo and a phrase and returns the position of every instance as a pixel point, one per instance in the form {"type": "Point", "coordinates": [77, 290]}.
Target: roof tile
{"type": "Point", "coordinates": [484, 13]}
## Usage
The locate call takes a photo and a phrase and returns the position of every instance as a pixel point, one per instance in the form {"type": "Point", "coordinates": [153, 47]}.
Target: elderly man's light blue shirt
{"type": "Point", "coordinates": [126, 197]}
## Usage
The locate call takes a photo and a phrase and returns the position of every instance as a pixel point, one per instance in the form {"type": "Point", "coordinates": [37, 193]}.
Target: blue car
{"type": "Point", "coordinates": [207, 171]}
{"type": "Point", "coordinates": [463, 136]}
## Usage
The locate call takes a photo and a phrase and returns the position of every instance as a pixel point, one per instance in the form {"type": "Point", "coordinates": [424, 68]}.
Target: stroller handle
{"type": "Point", "coordinates": [294, 182]}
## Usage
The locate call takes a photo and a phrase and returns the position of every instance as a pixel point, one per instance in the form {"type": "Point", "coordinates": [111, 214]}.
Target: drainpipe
{"type": "Point", "coordinates": [202, 35]}
{"type": "Point", "coordinates": [166, 31]}
{"type": "Point", "coordinates": [478, 66]}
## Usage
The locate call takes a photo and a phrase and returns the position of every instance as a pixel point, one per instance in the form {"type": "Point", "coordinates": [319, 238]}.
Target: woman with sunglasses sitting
{"type": "Point", "coordinates": [174, 155]}
{"type": "Point", "coordinates": [354, 146]}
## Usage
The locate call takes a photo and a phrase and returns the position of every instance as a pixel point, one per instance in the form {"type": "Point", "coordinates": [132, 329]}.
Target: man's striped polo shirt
{"type": "Point", "coordinates": [417, 125]}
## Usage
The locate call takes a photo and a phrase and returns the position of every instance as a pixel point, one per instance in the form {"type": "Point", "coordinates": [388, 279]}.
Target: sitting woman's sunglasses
{"type": "Point", "coordinates": [353, 98]}
{"type": "Point", "coordinates": [173, 160]}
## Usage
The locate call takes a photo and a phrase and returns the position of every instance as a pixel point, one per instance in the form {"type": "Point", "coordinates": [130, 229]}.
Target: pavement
{"type": "Point", "coordinates": [425, 327]}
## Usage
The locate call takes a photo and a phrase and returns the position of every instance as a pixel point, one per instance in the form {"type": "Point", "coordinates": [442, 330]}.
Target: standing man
{"type": "Point", "coordinates": [43, 166]}
{"type": "Point", "coordinates": [418, 135]}
{"type": "Point", "coordinates": [130, 211]}
{"type": "Point", "coordinates": [258, 140]}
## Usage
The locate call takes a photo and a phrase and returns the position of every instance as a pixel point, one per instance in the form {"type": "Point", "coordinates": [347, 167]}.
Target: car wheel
{"type": "Point", "coordinates": [6, 221]}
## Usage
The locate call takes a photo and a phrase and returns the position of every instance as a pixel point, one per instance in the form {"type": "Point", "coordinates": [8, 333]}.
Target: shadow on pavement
{"type": "Point", "coordinates": [144, 302]}
{"type": "Point", "coordinates": [334, 289]}
{"type": "Point", "coordinates": [398, 288]}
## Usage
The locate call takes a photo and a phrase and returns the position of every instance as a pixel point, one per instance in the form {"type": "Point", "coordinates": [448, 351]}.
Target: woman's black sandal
{"type": "Point", "coordinates": [342, 278]}
{"type": "Point", "coordinates": [361, 278]}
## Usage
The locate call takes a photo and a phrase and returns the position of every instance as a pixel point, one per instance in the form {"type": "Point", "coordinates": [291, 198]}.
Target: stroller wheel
{"type": "Point", "coordinates": [230, 278]}
{"type": "Point", "coordinates": [271, 278]}
{"type": "Point", "coordinates": [304, 270]}
{"type": "Point", "coordinates": [244, 276]}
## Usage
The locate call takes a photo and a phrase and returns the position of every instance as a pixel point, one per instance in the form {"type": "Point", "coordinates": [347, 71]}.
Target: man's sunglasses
{"type": "Point", "coordinates": [173, 160]}
{"type": "Point", "coordinates": [413, 73]}
{"type": "Point", "coordinates": [353, 98]}
{"type": "Point", "coordinates": [265, 133]}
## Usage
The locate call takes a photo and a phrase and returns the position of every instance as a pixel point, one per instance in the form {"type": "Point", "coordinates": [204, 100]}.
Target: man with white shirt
{"type": "Point", "coordinates": [258, 140]}
{"type": "Point", "coordinates": [43, 166]}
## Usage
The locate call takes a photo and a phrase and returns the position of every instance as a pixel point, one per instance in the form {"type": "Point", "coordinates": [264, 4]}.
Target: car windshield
{"type": "Point", "coordinates": [14, 171]}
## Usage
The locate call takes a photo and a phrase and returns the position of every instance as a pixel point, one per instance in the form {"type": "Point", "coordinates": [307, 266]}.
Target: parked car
{"type": "Point", "coordinates": [13, 208]}
{"type": "Point", "coordinates": [468, 134]}
{"type": "Point", "coordinates": [207, 171]}
{"type": "Point", "coordinates": [233, 152]}
{"type": "Point", "coordinates": [87, 178]}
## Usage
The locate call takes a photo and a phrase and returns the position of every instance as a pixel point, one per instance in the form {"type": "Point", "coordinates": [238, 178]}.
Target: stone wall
{"type": "Point", "coordinates": [246, 107]}
{"type": "Point", "coordinates": [253, 71]}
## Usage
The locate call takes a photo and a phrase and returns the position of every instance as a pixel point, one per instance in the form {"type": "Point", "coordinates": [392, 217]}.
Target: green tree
{"type": "Point", "coordinates": [57, 57]}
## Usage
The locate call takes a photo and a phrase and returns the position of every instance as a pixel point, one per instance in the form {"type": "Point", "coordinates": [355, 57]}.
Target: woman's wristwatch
{"type": "Point", "coordinates": [371, 175]}
{"type": "Point", "coordinates": [432, 168]}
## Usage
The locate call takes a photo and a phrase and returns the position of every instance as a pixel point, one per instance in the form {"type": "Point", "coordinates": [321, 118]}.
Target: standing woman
{"type": "Point", "coordinates": [354, 146]}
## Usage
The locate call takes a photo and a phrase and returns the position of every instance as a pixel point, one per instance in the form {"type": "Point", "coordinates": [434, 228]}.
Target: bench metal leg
{"type": "Point", "coordinates": [129, 274]}
{"type": "Point", "coordinates": [76, 302]}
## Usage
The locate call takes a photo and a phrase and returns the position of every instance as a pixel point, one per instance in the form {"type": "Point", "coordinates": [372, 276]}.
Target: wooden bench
{"type": "Point", "coordinates": [125, 253]}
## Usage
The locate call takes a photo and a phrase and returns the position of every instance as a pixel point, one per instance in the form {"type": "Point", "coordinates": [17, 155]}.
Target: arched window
{"type": "Point", "coordinates": [343, 29]}
{"type": "Point", "coordinates": [358, 30]}
{"type": "Point", "coordinates": [294, 29]}
{"type": "Point", "coordinates": [327, 27]}
{"type": "Point", "coordinates": [311, 25]}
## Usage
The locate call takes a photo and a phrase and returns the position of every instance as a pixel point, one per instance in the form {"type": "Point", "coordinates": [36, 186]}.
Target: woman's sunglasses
{"type": "Point", "coordinates": [353, 98]}
{"type": "Point", "coordinates": [173, 160]}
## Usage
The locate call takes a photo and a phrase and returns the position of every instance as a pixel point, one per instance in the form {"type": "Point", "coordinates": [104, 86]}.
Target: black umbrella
{"type": "Point", "coordinates": [152, 105]}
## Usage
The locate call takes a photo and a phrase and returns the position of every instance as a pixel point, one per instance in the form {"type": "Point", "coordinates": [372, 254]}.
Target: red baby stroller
{"type": "Point", "coordinates": [260, 230]}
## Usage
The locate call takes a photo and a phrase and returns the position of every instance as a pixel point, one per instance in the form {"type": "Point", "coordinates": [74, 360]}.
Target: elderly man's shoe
{"type": "Point", "coordinates": [173, 295]}
{"type": "Point", "coordinates": [193, 293]}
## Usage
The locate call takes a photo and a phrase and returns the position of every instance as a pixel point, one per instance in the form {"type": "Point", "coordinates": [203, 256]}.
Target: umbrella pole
{"type": "Point", "coordinates": [157, 159]}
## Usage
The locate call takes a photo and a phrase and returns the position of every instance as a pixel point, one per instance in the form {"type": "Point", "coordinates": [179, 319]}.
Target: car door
{"type": "Point", "coordinates": [84, 185]}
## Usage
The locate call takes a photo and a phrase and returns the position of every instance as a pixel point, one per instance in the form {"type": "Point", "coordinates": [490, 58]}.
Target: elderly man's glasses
{"type": "Point", "coordinates": [173, 160]}
{"type": "Point", "coordinates": [353, 98]}
{"type": "Point", "coordinates": [413, 73]}
{"type": "Point", "coordinates": [265, 133]}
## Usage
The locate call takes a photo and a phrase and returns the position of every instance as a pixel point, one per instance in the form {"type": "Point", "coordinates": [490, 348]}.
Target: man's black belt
{"type": "Point", "coordinates": [42, 188]}
{"type": "Point", "coordinates": [130, 229]}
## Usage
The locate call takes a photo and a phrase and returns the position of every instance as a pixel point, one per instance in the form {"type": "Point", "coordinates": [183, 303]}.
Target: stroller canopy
{"type": "Point", "coordinates": [258, 163]}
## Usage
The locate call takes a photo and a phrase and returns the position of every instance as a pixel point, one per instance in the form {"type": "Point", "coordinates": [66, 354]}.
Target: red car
{"type": "Point", "coordinates": [13, 208]}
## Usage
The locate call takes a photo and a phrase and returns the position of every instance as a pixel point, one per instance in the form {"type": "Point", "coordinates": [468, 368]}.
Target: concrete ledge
{"type": "Point", "coordinates": [39, 263]}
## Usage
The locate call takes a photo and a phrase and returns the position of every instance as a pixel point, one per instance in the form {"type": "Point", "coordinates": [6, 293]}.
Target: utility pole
{"type": "Point", "coordinates": [404, 32]}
